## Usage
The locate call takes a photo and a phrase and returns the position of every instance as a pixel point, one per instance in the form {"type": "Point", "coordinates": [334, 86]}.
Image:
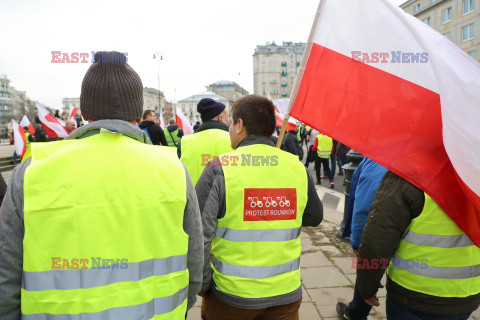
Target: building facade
{"type": "Point", "coordinates": [458, 20]}
{"type": "Point", "coordinates": [153, 99]}
{"type": "Point", "coordinates": [6, 111]}
{"type": "Point", "coordinates": [22, 105]}
{"type": "Point", "coordinates": [275, 68]}
{"type": "Point", "coordinates": [67, 102]}
{"type": "Point", "coordinates": [229, 89]}
{"type": "Point", "coordinates": [189, 105]}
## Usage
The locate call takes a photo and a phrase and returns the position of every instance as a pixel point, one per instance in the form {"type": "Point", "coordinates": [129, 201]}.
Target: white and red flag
{"type": "Point", "coordinates": [161, 123]}
{"type": "Point", "coordinates": [26, 123]}
{"type": "Point", "coordinates": [281, 106]}
{"type": "Point", "coordinates": [183, 123]}
{"type": "Point", "coordinates": [387, 85]}
{"type": "Point", "coordinates": [52, 127]}
{"type": "Point", "coordinates": [20, 139]}
{"type": "Point", "coordinates": [73, 112]}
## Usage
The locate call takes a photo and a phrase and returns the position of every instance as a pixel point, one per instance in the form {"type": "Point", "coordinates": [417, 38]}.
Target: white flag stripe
{"type": "Point", "coordinates": [187, 127]}
{"type": "Point", "coordinates": [25, 122]}
{"type": "Point", "coordinates": [17, 136]}
{"type": "Point", "coordinates": [371, 26]}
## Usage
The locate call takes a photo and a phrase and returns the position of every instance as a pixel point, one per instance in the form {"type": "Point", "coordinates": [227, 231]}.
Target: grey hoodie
{"type": "Point", "coordinates": [12, 226]}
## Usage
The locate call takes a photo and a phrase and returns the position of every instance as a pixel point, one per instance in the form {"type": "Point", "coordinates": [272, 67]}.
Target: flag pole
{"type": "Point", "coordinates": [282, 132]}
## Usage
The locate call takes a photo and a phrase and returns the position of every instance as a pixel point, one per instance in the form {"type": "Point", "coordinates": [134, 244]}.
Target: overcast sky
{"type": "Point", "coordinates": [201, 41]}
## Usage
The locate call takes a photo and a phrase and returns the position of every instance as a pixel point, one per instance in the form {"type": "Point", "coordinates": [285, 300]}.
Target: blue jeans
{"type": "Point", "coordinates": [396, 311]}
{"type": "Point", "coordinates": [333, 166]}
{"type": "Point", "coordinates": [342, 160]}
{"type": "Point", "coordinates": [358, 309]}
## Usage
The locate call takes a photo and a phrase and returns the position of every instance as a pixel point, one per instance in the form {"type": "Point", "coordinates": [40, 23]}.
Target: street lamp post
{"type": "Point", "coordinates": [158, 56]}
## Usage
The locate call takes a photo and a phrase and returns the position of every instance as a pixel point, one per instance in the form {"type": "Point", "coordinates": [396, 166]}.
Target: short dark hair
{"type": "Point", "coordinates": [257, 114]}
{"type": "Point", "coordinates": [146, 113]}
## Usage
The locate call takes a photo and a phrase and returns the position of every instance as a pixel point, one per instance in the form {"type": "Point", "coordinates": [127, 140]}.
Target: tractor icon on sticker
{"type": "Point", "coordinates": [269, 202]}
{"type": "Point", "coordinates": [255, 202]}
{"type": "Point", "coordinates": [283, 202]}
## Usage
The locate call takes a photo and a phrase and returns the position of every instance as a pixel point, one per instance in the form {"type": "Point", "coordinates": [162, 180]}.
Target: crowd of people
{"type": "Point", "coordinates": [155, 218]}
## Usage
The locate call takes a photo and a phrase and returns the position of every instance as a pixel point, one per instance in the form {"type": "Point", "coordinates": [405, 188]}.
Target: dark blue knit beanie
{"type": "Point", "coordinates": [209, 108]}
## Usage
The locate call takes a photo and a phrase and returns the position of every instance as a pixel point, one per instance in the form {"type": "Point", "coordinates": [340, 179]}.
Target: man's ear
{"type": "Point", "coordinates": [138, 121]}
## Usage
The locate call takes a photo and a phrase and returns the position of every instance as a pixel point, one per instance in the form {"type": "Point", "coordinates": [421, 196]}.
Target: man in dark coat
{"type": "Point", "coordinates": [155, 133]}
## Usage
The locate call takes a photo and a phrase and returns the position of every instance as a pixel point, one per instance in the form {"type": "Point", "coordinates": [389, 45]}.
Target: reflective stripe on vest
{"type": "Point", "coordinates": [444, 264]}
{"type": "Point", "coordinates": [259, 258]}
{"type": "Point", "coordinates": [90, 278]}
{"type": "Point", "coordinates": [325, 145]}
{"type": "Point", "coordinates": [201, 147]}
{"type": "Point", "coordinates": [172, 137]}
{"type": "Point", "coordinates": [257, 235]}
{"type": "Point", "coordinates": [114, 212]}
{"type": "Point", "coordinates": [437, 272]}
{"type": "Point", "coordinates": [157, 306]}
{"type": "Point", "coordinates": [255, 272]}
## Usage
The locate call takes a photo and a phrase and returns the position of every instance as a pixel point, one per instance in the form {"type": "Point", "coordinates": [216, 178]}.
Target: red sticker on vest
{"type": "Point", "coordinates": [270, 204]}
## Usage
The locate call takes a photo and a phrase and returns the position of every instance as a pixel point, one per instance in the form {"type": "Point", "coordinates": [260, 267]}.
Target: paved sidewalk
{"type": "Point", "coordinates": [326, 266]}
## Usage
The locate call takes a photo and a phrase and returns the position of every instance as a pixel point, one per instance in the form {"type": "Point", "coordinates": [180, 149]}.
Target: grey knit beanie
{"type": "Point", "coordinates": [111, 89]}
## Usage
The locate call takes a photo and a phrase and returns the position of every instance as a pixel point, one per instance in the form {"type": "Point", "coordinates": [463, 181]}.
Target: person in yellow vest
{"type": "Point", "coordinates": [323, 145]}
{"type": "Point", "coordinates": [254, 201]}
{"type": "Point", "coordinates": [432, 266]}
{"type": "Point", "coordinates": [173, 133]}
{"type": "Point", "coordinates": [122, 242]}
{"type": "Point", "coordinates": [28, 137]}
{"type": "Point", "coordinates": [210, 140]}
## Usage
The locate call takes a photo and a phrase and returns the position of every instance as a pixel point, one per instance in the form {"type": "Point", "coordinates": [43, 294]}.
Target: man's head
{"type": "Point", "coordinates": [70, 125]}
{"type": "Point", "coordinates": [111, 89]}
{"type": "Point", "coordinates": [210, 109]}
{"type": "Point", "coordinates": [38, 127]}
{"type": "Point", "coordinates": [251, 114]}
{"type": "Point", "coordinates": [172, 122]}
{"type": "Point", "coordinates": [149, 115]}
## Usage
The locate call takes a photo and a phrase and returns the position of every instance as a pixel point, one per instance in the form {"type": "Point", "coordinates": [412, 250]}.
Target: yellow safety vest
{"type": "Point", "coordinates": [436, 257]}
{"type": "Point", "coordinates": [174, 134]}
{"type": "Point", "coordinates": [201, 147]}
{"type": "Point", "coordinates": [325, 145]}
{"type": "Point", "coordinates": [256, 249]}
{"type": "Point", "coordinates": [108, 242]}
{"type": "Point", "coordinates": [27, 142]}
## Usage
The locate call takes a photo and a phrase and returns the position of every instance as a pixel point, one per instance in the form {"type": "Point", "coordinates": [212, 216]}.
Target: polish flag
{"type": "Point", "coordinates": [389, 86]}
{"type": "Point", "coordinates": [52, 127]}
{"type": "Point", "coordinates": [161, 123]}
{"type": "Point", "coordinates": [73, 112]}
{"type": "Point", "coordinates": [26, 123]}
{"type": "Point", "coordinates": [19, 138]}
{"type": "Point", "coordinates": [183, 123]}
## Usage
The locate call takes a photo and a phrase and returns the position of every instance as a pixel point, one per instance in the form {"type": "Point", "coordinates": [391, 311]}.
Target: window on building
{"type": "Point", "coordinates": [448, 36]}
{"type": "Point", "coordinates": [467, 32]}
{"type": "Point", "coordinates": [432, 1]}
{"type": "Point", "coordinates": [264, 90]}
{"type": "Point", "coordinates": [473, 54]}
{"type": "Point", "coordinates": [263, 69]}
{"type": "Point", "coordinates": [416, 7]}
{"type": "Point", "coordinates": [263, 59]}
{"type": "Point", "coordinates": [447, 15]}
{"type": "Point", "coordinates": [264, 80]}
{"type": "Point", "coordinates": [428, 21]}
{"type": "Point", "coordinates": [468, 6]}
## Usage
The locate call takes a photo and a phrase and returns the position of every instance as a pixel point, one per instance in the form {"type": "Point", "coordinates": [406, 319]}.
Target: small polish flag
{"type": "Point", "coordinates": [20, 139]}
{"type": "Point", "coordinates": [26, 123]}
{"type": "Point", "coordinates": [51, 125]}
{"type": "Point", "coordinates": [183, 123]}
